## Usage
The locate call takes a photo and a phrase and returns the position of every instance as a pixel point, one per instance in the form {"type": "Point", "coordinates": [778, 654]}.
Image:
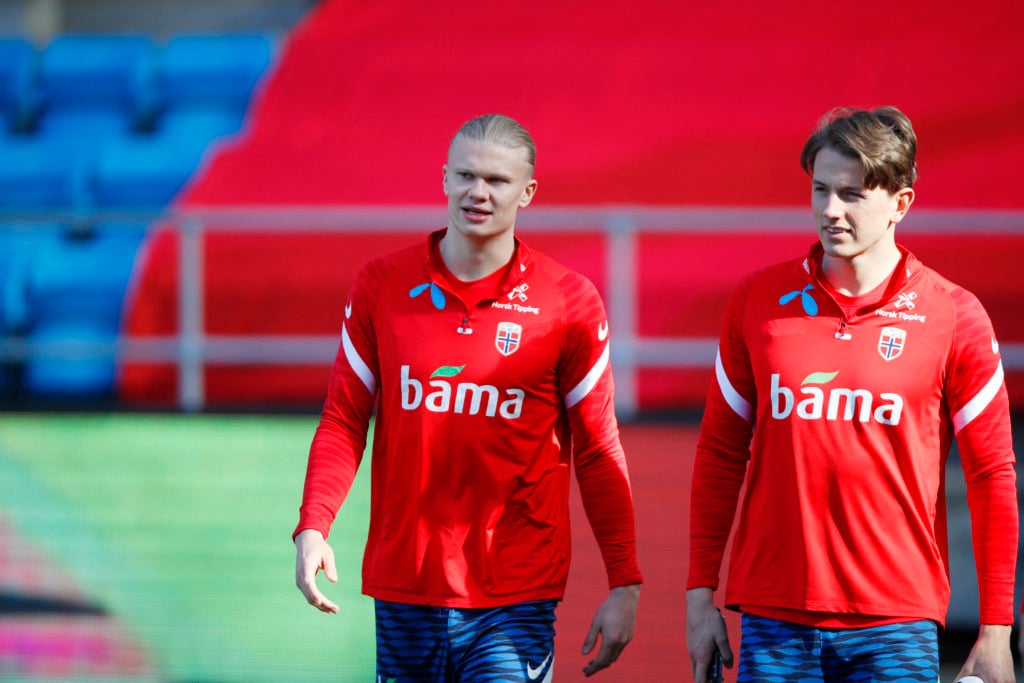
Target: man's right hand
{"type": "Point", "coordinates": [705, 632]}
{"type": "Point", "coordinates": [311, 555]}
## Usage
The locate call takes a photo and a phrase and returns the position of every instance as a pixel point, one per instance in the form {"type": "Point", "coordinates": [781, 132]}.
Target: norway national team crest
{"type": "Point", "coordinates": [891, 342]}
{"type": "Point", "coordinates": [508, 338]}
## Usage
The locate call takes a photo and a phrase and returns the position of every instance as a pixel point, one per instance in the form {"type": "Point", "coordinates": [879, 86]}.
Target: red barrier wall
{"type": "Point", "coordinates": [646, 103]}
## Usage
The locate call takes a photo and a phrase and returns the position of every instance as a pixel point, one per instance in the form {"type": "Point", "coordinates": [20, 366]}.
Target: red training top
{"type": "Point", "coordinates": [481, 407]}
{"type": "Point", "coordinates": [841, 422]}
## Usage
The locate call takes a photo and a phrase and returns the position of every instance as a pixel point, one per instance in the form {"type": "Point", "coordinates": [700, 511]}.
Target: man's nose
{"type": "Point", "coordinates": [833, 207]}
{"type": "Point", "coordinates": [478, 188]}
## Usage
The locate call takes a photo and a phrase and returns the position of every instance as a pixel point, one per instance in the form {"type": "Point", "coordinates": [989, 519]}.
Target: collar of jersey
{"type": "Point", "coordinates": [521, 258]}
{"type": "Point", "coordinates": [907, 273]}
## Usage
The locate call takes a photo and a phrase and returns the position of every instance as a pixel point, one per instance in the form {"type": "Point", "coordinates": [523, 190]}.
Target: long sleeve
{"type": "Point", "coordinates": [980, 414]}
{"type": "Point", "coordinates": [340, 437]}
{"type": "Point", "coordinates": [723, 450]}
{"type": "Point", "coordinates": [599, 460]}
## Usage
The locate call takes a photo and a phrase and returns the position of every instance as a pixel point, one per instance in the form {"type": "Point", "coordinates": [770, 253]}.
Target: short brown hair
{"type": "Point", "coordinates": [502, 130]}
{"type": "Point", "coordinates": [882, 139]}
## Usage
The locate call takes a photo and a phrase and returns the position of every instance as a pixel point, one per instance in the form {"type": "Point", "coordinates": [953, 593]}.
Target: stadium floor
{"type": "Point", "coordinates": [157, 547]}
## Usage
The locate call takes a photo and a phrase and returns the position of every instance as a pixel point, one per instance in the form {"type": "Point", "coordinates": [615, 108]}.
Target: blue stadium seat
{"type": "Point", "coordinates": [200, 125]}
{"type": "Point", "coordinates": [19, 97]}
{"type": "Point", "coordinates": [75, 288]}
{"type": "Point", "coordinates": [217, 70]}
{"type": "Point", "coordinates": [95, 88]}
{"type": "Point", "coordinates": [206, 83]}
{"type": "Point", "coordinates": [17, 244]}
{"type": "Point", "coordinates": [145, 173]}
{"type": "Point", "coordinates": [38, 174]}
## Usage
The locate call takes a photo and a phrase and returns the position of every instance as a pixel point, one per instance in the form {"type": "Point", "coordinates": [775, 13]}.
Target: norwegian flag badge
{"type": "Point", "coordinates": [508, 337]}
{"type": "Point", "coordinates": [891, 342]}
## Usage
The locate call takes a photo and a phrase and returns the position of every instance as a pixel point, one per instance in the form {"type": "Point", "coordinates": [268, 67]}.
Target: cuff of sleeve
{"type": "Point", "coordinates": [624, 577]}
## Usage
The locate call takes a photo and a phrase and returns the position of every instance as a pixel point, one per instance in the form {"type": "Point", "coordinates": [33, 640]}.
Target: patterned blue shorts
{"type": "Point", "coordinates": [772, 650]}
{"type": "Point", "coordinates": [421, 644]}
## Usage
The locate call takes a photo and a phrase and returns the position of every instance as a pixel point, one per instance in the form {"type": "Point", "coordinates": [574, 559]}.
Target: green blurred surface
{"type": "Point", "coordinates": [180, 527]}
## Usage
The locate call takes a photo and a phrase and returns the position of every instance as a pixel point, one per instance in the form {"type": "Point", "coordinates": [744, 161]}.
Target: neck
{"type": "Point", "coordinates": [470, 259]}
{"type": "Point", "coordinates": [860, 274]}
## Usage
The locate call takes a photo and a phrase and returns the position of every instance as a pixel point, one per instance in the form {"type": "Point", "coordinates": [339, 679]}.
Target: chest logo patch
{"type": "Point", "coordinates": [891, 342]}
{"type": "Point", "coordinates": [436, 294]}
{"type": "Point", "coordinates": [508, 338]}
{"type": "Point", "coordinates": [807, 301]}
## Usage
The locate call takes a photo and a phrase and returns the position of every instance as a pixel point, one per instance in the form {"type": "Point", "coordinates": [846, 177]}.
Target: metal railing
{"type": "Point", "coordinates": [621, 226]}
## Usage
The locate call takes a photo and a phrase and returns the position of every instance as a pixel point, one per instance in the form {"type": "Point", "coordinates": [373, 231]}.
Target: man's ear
{"type": "Point", "coordinates": [528, 192]}
{"type": "Point", "coordinates": [904, 198]}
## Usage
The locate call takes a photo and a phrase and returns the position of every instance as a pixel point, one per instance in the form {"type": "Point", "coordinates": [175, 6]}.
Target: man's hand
{"type": "Point", "coordinates": [311, 555]}
{"type": "Point", "coordinates": [990, 658]}
{"type": "Point", "coordinates": [615, 621]}
{"type": "Point", "coordinates": [705, 632]}
{"type": "Point", "coordinates": [1020, 637]}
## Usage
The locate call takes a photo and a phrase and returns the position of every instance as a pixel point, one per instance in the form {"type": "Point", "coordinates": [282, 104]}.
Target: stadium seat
{"type": "Point", "coordinates": [145, 173]}
{"type": "Point", "coordinates": [200, 126]}
{"type": "Point", "coordinates": [17, 244]}
{"type": "Point", "coordinates": [75, 288]}
{"type": "Point", "coordinates": [15, 249]}
{"type": "Point", "coordinates": [219, 70]}
{"type": "Point", "coordinates": [95, 88]}
{"type": "Point", "coordinates": [206, 82]}
{"type": "Point", "coordinates": [19, 98]}
{"type": "Point", "coordinates": [37, 174]}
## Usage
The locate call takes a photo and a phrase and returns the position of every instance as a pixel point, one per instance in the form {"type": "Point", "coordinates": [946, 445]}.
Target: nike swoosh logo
{"type": "Point", "coordinates": [348, 310]}
{"type": "Point", "coordinates": [602, 331]}
{"type": "Point", "coordinates": [534, 673]}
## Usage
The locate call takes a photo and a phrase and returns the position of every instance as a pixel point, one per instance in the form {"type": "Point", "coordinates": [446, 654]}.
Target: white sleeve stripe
{"type": "Point", "coordinates": [590, 381]}
{"type": "Point", "coordinates": [357, 363]}
{"type": "Point", "coordinates": [981, 400]}
{"type": "Point", "coordinates": [739, 405]}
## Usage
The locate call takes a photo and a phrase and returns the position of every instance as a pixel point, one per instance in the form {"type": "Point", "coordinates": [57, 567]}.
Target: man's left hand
{"type": "Point", "coordinates": [990, 658]}
{"type": "Point", "coordinates": [615, 621]}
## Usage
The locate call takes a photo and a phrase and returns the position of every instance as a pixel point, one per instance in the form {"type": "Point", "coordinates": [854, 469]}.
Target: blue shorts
{"type": "Point", "coordinates": [421, 644]}
{"type": "Point", "coordinates": [772, 650]}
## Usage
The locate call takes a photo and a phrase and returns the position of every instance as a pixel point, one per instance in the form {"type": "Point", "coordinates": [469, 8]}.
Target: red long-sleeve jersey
{"type": "Point", "coordinates": [840, 424]}
{"type": "Point", "coordinates": [481, 410]}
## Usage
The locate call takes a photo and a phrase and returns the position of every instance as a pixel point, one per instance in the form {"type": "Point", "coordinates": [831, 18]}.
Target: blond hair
{"type": "Point", "coordinates": [501, 130]}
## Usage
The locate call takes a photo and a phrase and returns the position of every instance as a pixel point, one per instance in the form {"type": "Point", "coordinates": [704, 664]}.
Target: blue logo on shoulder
{"type": "Point", "coordinates": [806, 300]}
{"type": "Point", "coordinates": [436, 294]}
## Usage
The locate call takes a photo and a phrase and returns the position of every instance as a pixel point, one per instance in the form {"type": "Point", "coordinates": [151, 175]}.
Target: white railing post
{"type": "Point", "coordinates": [622, 302]}
{"type": "Point", "coordinates": [191, 339]}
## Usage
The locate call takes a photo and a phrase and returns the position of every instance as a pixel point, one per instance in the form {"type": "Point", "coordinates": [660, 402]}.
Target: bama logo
{"type": "Point", "coordinates": [836, 403]}
{"type": "Point", "coordinates": [441, 396]}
